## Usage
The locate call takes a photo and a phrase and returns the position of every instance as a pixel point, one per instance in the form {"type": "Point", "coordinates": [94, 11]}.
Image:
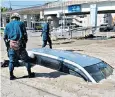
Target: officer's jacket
{"type": "Point", "coordinates": [45, 31]}
{"type": "Point", "coordinates": [15, 30]}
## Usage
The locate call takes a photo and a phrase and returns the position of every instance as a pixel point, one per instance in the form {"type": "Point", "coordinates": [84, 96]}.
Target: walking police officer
{"type": "Point", "coordinates": [45, 34]}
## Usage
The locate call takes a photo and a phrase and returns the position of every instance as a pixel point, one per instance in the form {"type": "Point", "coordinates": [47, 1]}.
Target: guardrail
{"type": "Point", "coordinates": [80, 32]}
{"type": "Point", "coordinates": [72, 33]}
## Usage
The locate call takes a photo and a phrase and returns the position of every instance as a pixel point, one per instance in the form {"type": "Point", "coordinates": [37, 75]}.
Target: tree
{"type": "Point", "coordinates": [4, 9]}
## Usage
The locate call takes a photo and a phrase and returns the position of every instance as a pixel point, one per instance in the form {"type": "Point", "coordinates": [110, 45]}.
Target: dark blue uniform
{"type": "Point", "coordinates": [15, 30]}
{"type": "Point", "coordinates": [45, 35]}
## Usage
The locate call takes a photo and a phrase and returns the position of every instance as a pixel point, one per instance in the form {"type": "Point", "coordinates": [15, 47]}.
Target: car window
{"type": "Point", "coordinates": [104, 24]}
{"type": "Point", "coordinates": [105, 68]}
{"type": "Point", "coordinates": [94, 71]}
{"type": "Point", "coordinates": [76, 71]}
{"type": "Point", "coordinates": [99, 71]}
{"type": "Point", "coordinates": [48, 62]}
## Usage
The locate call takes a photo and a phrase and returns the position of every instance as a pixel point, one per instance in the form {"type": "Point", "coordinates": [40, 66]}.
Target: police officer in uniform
{"type": "Point", "coordinates": [15, 36]}
{"type": "Point", "coordinates": [45, 34]}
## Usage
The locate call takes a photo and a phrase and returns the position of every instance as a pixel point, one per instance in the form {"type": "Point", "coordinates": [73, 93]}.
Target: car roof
{"type": "Point", "coordinates": [80, 59]}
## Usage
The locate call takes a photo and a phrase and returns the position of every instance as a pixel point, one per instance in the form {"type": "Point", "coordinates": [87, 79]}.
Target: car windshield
{"type": "Point", "coordinates": [104, 25]}
{"type": "Point", "coordinates": [99, 71]}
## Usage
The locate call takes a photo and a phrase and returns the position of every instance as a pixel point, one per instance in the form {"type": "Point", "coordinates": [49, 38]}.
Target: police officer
{"type": "Point", "coordinates": [45, 34]}
{"type": "Point", "coordinates": [15, 34]}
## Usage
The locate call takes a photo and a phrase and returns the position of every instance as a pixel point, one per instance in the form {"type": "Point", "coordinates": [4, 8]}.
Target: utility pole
{"type": "Point", "coordinates": [63, 16]}
{"type": "Point", "coordinates": [10, 5]}
{"type": "Point", "coordinates": [10, 10]}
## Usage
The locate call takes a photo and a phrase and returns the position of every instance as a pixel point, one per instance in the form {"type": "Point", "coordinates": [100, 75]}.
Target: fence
{"type": "Point", "coordinates": [72, 33]}
{"type": "Point", "coordinates": [79, 32]}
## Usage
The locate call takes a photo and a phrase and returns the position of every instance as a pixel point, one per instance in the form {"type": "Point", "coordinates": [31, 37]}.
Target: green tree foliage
{"type": "Point", "coordinates": [3, 9]}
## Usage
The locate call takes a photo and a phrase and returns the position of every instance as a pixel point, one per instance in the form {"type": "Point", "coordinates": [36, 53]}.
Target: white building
{"type": "Point", "coordinates": [79, 10]}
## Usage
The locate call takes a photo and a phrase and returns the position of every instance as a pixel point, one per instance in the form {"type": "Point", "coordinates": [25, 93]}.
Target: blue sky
{"type": "Point", "coordinates": [17, 4]}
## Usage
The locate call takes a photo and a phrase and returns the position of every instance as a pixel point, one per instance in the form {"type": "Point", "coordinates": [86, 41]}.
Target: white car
{"type": "Point", "coordinates": [89, 68]}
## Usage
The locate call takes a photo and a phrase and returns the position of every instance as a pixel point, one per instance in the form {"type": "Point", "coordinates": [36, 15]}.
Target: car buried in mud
{"type": "Point", "coordinates": [89, 68]}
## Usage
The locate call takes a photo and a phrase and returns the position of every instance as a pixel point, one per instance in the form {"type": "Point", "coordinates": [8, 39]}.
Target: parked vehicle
{"type": "Point", "coordinates": [89, 68]}
{"type": "Point", "coordinates": [105, 27]}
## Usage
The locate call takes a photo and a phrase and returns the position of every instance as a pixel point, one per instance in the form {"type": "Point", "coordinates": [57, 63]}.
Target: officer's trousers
{"type": "Point", "coordinates": [45, 42]}
{"type": "Point", "coordinates": [14, 56]}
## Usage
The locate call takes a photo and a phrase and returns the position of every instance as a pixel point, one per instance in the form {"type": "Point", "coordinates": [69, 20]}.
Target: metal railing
{"type": "Point", "coordinates": [79, 32]}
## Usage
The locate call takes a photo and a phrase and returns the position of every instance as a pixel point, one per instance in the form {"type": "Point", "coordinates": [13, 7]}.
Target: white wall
{"type": "Point", "coordinates": [113, 16]}
{"type": "Point", "coordinates": [100, 19]}
{"type": "Point", "coordinates": [84, 8]}
{"type": "Point", "coordinates": [106, 5]}
{"type": "Point", "coordinates": [55, 10]}
{"type": "Point", "coordinates": [102, 6]}
{"type": "Point", "coordinates": [4, 21]}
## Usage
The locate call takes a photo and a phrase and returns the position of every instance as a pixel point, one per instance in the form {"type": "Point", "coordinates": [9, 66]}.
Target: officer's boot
{"type": "Point", "coordinates": [31, 74]}
{"type": "Point", "coordinates": [12, 77]}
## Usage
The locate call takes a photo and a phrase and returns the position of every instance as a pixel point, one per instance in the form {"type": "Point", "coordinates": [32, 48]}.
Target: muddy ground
{"type": "Point", "coordinates": [51, 83]}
